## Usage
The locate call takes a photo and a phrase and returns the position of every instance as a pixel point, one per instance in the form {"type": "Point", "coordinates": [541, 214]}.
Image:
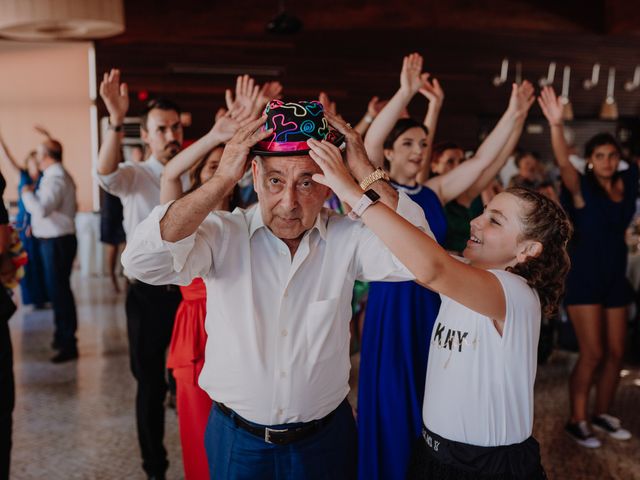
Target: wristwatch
{"type": "Point", "coordinates": [377, 174]}
{"type": "Point", "coordinates": [115, 128]}
{"type": "Point", "coordinates": [369, 197]}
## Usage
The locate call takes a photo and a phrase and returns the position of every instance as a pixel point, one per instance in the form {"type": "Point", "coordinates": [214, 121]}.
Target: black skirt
{"type": "Point", "coordinates": [436, 457]}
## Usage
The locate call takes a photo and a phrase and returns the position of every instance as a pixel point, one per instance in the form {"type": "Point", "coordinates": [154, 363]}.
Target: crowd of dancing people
{"type": "Point", "coordinates": [258, 255]}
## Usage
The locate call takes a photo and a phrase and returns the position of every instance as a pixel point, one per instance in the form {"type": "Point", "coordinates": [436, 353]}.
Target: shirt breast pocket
{"type": "Point", "coordinates": [326, 333]}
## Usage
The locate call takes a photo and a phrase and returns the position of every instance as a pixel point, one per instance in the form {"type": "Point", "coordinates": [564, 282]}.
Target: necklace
{"type": "Point", "coordinates": [407, 190]}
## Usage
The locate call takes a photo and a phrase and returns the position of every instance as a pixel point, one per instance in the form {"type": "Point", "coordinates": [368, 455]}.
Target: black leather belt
{"type": "Point", "coordinates": [277, 436]}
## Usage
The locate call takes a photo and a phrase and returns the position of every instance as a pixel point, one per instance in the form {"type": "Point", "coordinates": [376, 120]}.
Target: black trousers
{"type": "Point", "coordinates": [7, 386]}
{"type": "Point", "coordinates": [151, 312]}
{"type": "Point", "coordinates": [57, 258]}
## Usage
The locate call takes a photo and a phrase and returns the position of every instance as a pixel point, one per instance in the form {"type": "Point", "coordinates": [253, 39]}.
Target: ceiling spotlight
{"type": "Point", "coordinates": [284, 23]}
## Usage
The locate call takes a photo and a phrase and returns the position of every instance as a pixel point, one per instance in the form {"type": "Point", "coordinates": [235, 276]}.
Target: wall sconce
{"type": "Point", "coordinates": [551, 75]}
{"type": "Point", "coordinates": [504, 71]}
{"type": "Point", "coordinates": [589, 83]}
{"type": "Point", "coordinates": [631, 85]}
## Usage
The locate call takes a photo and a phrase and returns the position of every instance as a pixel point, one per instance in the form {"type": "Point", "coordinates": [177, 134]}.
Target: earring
{"type": "Point", "coordinates": [589, 166]}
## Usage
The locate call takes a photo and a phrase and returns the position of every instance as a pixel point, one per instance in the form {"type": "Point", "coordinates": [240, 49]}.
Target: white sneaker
{"type": "Point", "coordinates": [582, 434]}
{"type": "Point", "coordinates": [610, 425]}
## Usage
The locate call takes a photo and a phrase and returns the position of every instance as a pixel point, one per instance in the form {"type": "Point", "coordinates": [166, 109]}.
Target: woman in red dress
{"type": "Point", "coordinates": [186, 351]}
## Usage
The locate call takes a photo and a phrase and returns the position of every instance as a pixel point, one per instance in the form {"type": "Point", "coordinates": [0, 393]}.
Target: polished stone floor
{"type": "Point", "coordinates": [75, 421]}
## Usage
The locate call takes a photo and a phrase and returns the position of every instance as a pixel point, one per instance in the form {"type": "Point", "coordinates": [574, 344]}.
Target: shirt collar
{"type": "Point", "coordinates": [257, 222]}
{"type": "Point", "coordinates": [53, 169]}
{"type": "Point", "coordinates": [154, 164]}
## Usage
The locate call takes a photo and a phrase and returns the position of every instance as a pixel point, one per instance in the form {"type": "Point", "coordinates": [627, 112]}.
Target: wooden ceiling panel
{"type": "Point", "coordinates": [192, 50]}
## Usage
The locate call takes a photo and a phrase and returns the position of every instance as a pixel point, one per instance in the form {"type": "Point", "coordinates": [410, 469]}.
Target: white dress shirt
{"type": "Point", "coordinates": [53, 206]}
{"type": "Point", "coordinates": [278, 327]}
{"type": "Point", "coordinates": [138, 186]}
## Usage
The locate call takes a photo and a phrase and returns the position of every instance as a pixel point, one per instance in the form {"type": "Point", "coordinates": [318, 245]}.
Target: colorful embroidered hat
{"type": "Point", "coordinates": [294, 123]}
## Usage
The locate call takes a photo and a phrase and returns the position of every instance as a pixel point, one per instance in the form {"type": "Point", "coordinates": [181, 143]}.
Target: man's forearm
{"type": "Point", "coordinates": [109, 155]}
{"type": "Point", "coordinates": [185, 215]}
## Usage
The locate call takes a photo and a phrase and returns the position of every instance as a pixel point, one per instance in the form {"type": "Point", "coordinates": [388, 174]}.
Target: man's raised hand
{"type": "Point", "coordinates": [115, 96]}
{"type": "Point", "coordinates": [235, 156]}
{"type": "Point", "coordinates": [246, 94]}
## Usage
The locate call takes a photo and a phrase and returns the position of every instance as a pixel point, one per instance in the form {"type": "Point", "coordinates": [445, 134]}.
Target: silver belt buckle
{"type": "Point", "coordinates": [268, 431]}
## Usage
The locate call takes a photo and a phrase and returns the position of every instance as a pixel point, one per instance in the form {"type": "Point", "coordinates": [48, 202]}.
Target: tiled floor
{"type": "Point", "coordinates": [75, 421]}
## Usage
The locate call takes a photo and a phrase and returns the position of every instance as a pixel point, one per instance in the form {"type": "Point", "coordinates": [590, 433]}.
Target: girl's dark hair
{"type": "Point", "coordinates": [399, 128]}
{"type": "Point", "coordinates": [594, 142]}
{"type": "Point", "coordinates": [599, 140]}
{"type": "Point", "coordinates": [546, 222]}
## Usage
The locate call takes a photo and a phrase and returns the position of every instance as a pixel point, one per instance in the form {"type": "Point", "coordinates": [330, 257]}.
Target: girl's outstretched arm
{"type": "Point", "coordinates": [433, 267]}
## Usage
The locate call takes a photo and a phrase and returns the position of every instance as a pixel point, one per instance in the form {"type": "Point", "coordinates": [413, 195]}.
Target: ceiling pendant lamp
{"type": "Point", "coordinates": [609, 110]}
{"type": "Point", "coordinates": [44, 20]}
{"type": "Point", "coordinates": [567, 109]}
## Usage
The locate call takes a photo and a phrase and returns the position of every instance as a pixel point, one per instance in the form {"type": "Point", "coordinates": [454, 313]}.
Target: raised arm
{"type": "Point", "coordinates": [411, 80]}
{"type": "Point", "coordinates": [457, 181]}
{"type": "Point", "coordinates": [116, 98]}
{"type": "Point", "coordinates": [430, 263]}
{"type": "Point", "coordinates": [185, 215]}
{"type": "Point", "coordinates": [223, 130]}
{"type": "Point", "coordinates": [552, 107]}
{"type": "Point", "coordinates": [434, 93]}
{"type": "Point", "coordinates": [492, 170]}
{"type": "Point", "coordinates": [365, 122]}
{"type": "Point", "coordinates": [357, 160]}
{"type": "Point", "coordinates": [5, 154]}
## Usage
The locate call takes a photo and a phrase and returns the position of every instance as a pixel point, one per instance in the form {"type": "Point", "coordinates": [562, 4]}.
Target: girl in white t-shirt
{"type": "Point", "coordinates": [478, 406]}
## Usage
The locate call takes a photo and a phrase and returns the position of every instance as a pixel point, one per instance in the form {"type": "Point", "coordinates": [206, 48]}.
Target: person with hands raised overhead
{"type": "Point", "coordinates": [187, 347]}
{"type": "Point", "coordinates": [150, 309]}
{"type": "Point", "coordinates": [478, 402]}
{"type": "Point", "coordinates": [433, 92]}
{"type": "Point", "coordinates": [601, 204]}
{"type": "Point", "coordinates": [32, 285]}
{"type": "Point", "coordinates": [279, 277]}
{"type": "Point", "coordinates": [399, 317]}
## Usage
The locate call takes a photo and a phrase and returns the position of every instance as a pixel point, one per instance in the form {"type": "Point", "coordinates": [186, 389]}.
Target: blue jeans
{"type": "Point", "coordinates": [57, 259]}
{"type": "Point", "coordinates": [235, 454]}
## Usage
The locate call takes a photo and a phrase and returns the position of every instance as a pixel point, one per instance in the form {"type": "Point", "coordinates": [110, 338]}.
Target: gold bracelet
{"type": "Point", "coordinates": [377, 174]}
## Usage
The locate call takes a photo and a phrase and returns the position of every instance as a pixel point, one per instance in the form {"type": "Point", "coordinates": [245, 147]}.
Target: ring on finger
{"type": "Point", "coordinates": [348, 125]}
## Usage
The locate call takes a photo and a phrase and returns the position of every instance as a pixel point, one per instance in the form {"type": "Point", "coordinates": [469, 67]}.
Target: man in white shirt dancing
{"type": "Point", "coordinates": [279, 280]}
{"type": "Point", "coordinates": [150, 309]}
{"type": "Point", "coordinates": [53, 209]}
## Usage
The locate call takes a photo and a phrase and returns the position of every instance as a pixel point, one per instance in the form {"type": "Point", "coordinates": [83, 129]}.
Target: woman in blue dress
{"type": "Point", "coordinates": [601, 203]}
{"type": "Point", "coordinates": [400, 316]}
{"type": "Point", "coordinates": [32, 284]}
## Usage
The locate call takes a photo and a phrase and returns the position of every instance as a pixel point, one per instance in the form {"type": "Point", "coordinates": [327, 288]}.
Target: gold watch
{"type": "Point", "coordinates": [377, 174]}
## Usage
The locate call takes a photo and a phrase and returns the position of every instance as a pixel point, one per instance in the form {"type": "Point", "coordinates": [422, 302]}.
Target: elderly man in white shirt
{"type": "Point", "coordinates": [150, 309]}
{"type": "Point", "coordinates": [53, 209]}
{"type": "Point", "coordinates": [279, 279]}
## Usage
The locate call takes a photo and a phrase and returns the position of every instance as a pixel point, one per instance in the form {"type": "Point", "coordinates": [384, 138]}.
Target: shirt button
{"type": "Point", "coordinates": [284, 333]}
